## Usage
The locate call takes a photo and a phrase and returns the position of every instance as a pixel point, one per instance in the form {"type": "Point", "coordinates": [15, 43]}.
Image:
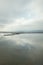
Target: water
{"type": "Point", "coordinates": [23, 49]}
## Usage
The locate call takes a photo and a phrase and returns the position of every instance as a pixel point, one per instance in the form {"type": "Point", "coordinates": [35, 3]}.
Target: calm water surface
{"type": "Point", "coordinates": [24, 49]}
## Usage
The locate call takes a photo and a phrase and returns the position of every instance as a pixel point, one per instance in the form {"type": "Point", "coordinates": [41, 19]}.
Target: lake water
{"type": "Point", "coordinates": [23, 49]}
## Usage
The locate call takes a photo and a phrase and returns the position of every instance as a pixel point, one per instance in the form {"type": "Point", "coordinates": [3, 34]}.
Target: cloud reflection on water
{"type": "Point", "coordinates": [21, 49]}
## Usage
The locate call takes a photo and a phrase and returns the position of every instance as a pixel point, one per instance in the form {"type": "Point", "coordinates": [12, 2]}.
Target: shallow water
{"type": "Point", "coordinates": [23, 49]}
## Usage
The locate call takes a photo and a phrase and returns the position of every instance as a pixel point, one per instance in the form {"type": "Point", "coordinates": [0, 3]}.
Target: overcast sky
{"type": "Point", "coordinates": [17, 15]}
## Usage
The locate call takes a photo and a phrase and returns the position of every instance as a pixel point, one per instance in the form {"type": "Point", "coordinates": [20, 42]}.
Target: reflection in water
{"type": "Point", "coordinates": [24, 49]}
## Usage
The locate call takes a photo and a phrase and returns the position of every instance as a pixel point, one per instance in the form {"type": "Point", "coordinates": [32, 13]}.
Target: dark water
{"type": "Point", "coordinates": [21, 49]}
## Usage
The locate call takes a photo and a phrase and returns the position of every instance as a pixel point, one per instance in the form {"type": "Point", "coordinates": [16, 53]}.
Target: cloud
{"type": "Point", "coordinates": [16, 13]}
{"type": "Point", "coordinates": [23, 24]}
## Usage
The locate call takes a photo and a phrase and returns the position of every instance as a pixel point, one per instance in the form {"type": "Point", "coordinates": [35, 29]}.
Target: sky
{"type": "Point", "coordinates": [20, 15]}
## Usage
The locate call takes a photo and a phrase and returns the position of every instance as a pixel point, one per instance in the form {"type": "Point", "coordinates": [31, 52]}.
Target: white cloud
{"type": "Point", "coordinates": [16, 13]}
{"type": "Point", "coordinates": [23, 24]}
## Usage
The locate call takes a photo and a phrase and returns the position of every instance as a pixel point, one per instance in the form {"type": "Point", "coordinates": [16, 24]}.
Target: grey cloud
{"type": "Point", "coordinates": [13, 7]}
